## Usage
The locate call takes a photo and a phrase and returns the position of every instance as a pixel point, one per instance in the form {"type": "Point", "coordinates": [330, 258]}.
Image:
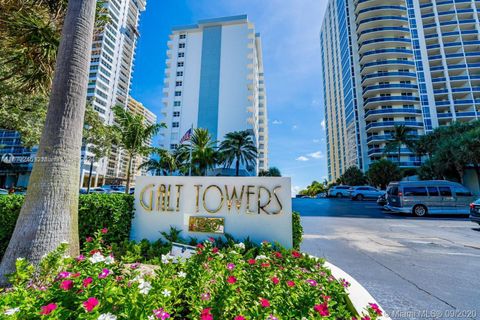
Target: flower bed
{"type": "Point", "coordinates": [235, 282]}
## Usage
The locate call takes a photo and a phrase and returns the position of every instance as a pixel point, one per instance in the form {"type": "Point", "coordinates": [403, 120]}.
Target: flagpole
{"type": "Point", "coordinates": [190, 160]}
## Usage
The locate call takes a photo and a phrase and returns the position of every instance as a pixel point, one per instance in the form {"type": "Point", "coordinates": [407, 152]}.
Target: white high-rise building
{"type": "Point", "coordinates": [214, 80]}
{"type": "Point", "coordinates": [414, 63]}
{"type": "Point", "coordinates": [113, 53]}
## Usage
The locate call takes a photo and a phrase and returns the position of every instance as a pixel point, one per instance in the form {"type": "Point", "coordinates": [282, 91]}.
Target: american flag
{"type": "Point", "coordinates": [186, 136]}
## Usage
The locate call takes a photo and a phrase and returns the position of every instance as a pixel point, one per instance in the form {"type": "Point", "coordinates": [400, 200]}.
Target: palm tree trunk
{"type": "Point", "coordinates": [129, 168]}
{"type": "Point", "coordinates": [90, 175]}
{"type": "Point", "coordinates": [237, 167]}
{"type": "Point", "coordinates": [49, 214]}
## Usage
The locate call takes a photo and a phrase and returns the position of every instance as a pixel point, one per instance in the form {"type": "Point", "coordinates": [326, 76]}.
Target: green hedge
{"type": "Point", "coordinates": [297, 230]}
{"type": "Point", "coordinates": [95, 211]}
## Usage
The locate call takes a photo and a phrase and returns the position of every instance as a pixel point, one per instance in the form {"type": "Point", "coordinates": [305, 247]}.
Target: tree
{"type": "Point", "coordinates": [203, 151]}
{"type": "Point", "coordinates": [382, 172]}
{"type": "Point", "coordinates": [166, 164]}
{"type": "Point", "coordinates": [134, 135]}
{"type": "Point", "coordinates": [313, 189]}
{"type": "Point", "coordinates": [352, 177]}
{"type": "Point", "coordinates": [238, 147]}
{"type": "Point", "coordinates": [271, 172]}
{"type": "Point", "coordinates": [49, 214]}
{"type": "Point", "coordinates": [401, 136]}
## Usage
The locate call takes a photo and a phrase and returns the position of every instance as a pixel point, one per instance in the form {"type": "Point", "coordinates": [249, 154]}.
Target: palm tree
{"type": "Point", "coordinates": [203, 150]}
{"type": "Point", "coordinates": [271, 172]}
{"type": "Point", "coordinates": [238, 147]}
{"type": "Point", "coordinates": [134, 135]}
{"type": "Point", "coordinates": [49, 214]}
{"type": "Point", "coordinates": [165, 165]}
{"type": "Point", "coordinates": [401, 136]}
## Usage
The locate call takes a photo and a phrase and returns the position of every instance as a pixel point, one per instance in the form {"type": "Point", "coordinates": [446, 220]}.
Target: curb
{"type": "Point", "coordinates": [359, 296]}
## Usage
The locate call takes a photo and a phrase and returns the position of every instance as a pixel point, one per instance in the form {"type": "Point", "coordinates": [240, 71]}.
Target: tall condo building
{"type": "Point", "coordinates": [214, 80]}
{"type": "Point", "coordinates": [398, 62]}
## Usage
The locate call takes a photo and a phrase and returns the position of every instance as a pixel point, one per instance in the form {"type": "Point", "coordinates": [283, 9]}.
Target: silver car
{"type": "Point", "coordinates": [365, 192]}
{"type": "Point", "coordinates": [339, 191]}
{"type": "Point", "coordinates": [423, 197]}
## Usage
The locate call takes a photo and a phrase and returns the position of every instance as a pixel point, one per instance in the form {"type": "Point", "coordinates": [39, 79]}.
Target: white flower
{"type": "Point", "coordinates": [166, 293]}
{"type": "Point", "coordinates": [240, 245]}
{"type": "Point", "coordinates": [107, 316]}
{"type": "Point", "coordinates": [97, 257]}
{"type": "Point", "coordinates": [151, 318]}
{"type": "Point", "coordinates": [260, 257]}
{"type": "Point", "coordinates": [12, 311]}
{"type": "Point", "coordinates": [182, 274]}
{"type": "Point", "coordinates": [109, 260]}
{"type": "Point", "coordinates": [144, 287]}
{"type": "Point", "coordinates": [166, 258]}
{"type": "Point", "coordinates": [138, 278]}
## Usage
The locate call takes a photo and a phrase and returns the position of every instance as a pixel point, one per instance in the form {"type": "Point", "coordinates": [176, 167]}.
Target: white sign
{"type": "Point", "coordinates": [259, 208]}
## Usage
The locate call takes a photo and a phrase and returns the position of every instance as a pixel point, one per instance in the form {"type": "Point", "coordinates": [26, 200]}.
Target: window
{"type": "Point", "coordinates": [181, 54]}
{"type": "Point", "coordinates": [179, 73]}
{"type": "Point", "coordinates": [183, 36]}
{"type": "Point", "coordinates": [181, 45]}
{"type": "Point", "coordinates": [415, 191]}
{"type": "Point", "coordinates": [176, 103]}
{"type": "Point", "coordinates": [178, 93]}
{"type": "Point", "coordinates": [178, 83]}
{"type": "Point", "coordinates": [176, 113]}
{"type": "Point", "coordinates": [462, 192]}
{"type": "Point", "coordinates": [179, 64]}
{"type": "Point", "coordinates": [175, 124]}
{"type": "Point", "coordinates": [433, 192]}
{"type": "Point", "coordinates": [173, 146]}
{"type": "Point", "coordinates": [445, 191]}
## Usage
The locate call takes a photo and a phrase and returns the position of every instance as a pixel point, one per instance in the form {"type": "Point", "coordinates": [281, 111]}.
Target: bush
{"type": "Point", "coordinates": [112, 211]}
{"type": "Point", "coordinates": [230, 283]}
{"type": "Point", "coordinates": [297, 230]}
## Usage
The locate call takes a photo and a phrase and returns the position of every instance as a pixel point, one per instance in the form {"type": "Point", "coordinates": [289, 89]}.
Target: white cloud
{"type": "Point", "coordinates": [315, 141]}
{"type": "Point", "coordinates": [302, 158]}
{"type": "Point", "coordinates": [315, 102]}
{"type": "Point", "coordinates": [323, 124]}
{"type": "Point", "coordinates": [277, 122]}
{"type": "Point", "coordinates": [296, 190]}
{"type": "Point", "coordinates": [294, 127]}
{"type": "Point", "coordinates": [316, 155]}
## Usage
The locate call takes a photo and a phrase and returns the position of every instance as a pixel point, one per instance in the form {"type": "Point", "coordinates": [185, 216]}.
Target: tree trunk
{"type": "Point", "coordinates": [49, 214]}
{"type": "Point", "coordinates": [90, 175]}
{"type": "Point", "coordinates": [129, 168]}
{"type": "Point", "coordinates": [399, 152]}
{"type": "Point", "coordinates": [237, 167]}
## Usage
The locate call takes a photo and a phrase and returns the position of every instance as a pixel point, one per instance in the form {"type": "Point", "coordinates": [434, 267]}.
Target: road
{"type": "Point", "coordinates": [416, 268]}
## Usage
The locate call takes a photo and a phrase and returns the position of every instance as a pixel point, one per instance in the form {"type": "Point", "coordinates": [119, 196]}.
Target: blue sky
{"type": "Point", "coordinates": [291, 52]}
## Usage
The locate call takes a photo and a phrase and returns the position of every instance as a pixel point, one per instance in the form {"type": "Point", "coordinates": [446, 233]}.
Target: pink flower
{"type": "Point", "coordinates": [75, 275]}
{"type": "Point", "coordinates": [366, 318]}
{"type": "Point", "coordinates": [215, 250]}
{"type": "Point", "coordinates": [104, 230]}
{"type": "Point", "coordinates": [275, 280]}
{"type": "Point", "coordinates": [264, 303]}
{"type": "Point", "coordinates": [251, 261]}
{"type": "Point", "coordinates": [104, 274]}
{"type": "Point", "coordinates": [87, 281]}
{"type": "Point", "coordinates": [272, 317]}
{"type": "Point", "coordinates": [239, 318]}
{"type": "Point", "coordinates": [48, 308]}
{"type": "Point", "coordinates": [230, 266]}
{"type": "Point", "coordinates": [376, 308]}
{"type": "Point", "coordinates": [278, 254]}
{"type": "Point", "coordinates": [66, 285]}
{"type": "Point", "coordinates": [322, 309]}
{"type": "Point", "coordinates": [205, 296]}
{"type": "Point", "coordinates": [89, 239]}
{"type": "Point", "coordinates": [63, 274]}
{"type": "Point", "coordinates": [212, 240]}
{"type": "Point", "coordinates": [80, 258]}
{"type": "Point", "coordinates": [312, 282]}
{"type": "Point", "coordinates": [296, 254]}
{"type": "Point", "coordinates": [90, 304]}
{"type": "Point", "coordinates": [265, 265]}
{"type": "Point", "coordinates": [345, 283]}
{"type": "Point", "coordinates": [200, 246]}
{"type": "Point", "coordinates": [161, 314]}
{"type": "Point", "coordinates": [290, 283]}
{"type": "Point", "coordinates": [135, 265]}
{"type": "Point", "coordinates": [206, 315]}
{"type": "Point", "coordinates": [231, 279]}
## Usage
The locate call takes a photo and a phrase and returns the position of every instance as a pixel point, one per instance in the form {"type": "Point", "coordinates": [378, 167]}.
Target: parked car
{"type": "Point", "coordinates": [382, 200]}
{"type": "Point", "coordinates": [339, 191]}
{"type": "Point", "coordinates": [132, 190]}
{"type": "Point", "coordinates": [433, 196]}
{"type": "Point", "coordinates": [475, 211]}
{"type": "Point", "coordinates": [83, 190]}
{"type": "Point", "coordinates": [365, 192]}
{"type": "Point", "coordinates": [3, 192]}
{"type": "Point", "coordinates": [97, 190]}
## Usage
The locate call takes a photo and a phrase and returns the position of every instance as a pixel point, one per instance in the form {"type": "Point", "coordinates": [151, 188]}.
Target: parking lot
{"type": "Point", "coordinates": [416, 268]}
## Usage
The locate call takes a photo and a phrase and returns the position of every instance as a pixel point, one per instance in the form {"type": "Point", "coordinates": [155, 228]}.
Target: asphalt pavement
{"type": "Point", "coordinates": [416, 268]}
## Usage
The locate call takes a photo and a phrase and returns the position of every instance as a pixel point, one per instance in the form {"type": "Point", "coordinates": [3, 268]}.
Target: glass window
{"type": "Point", "coordinates": [178, 93]}
{"type": "Point", "coordinates": [179, 64]}
{"type": "Point", "coordinates": [176, 113]}
{"type": "Point", "coordinates": [414, 191]}
{"type": "Point", "coordinates": [175, 124]}
{"type": "Point", "coordinates": [181, 45]}
{"type": "Point", "coordinates": [183, 36]}
{"type": "Point", "coordinates": [181, 54]}
{"type": "Point", "coordinates": [433, 191]}
{"type": "Point", "coordinates": [445, 191]}
{"type": "Point", "coordinates": [462, 192]}
{"type": "Point", "coordinates": [176, 103]}
{"type": "Point", "coordinates": [179, 73]}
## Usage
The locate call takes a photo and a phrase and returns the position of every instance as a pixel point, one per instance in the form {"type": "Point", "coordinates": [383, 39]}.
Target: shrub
{"type": "Point", "coordinates": [230, 283]}
{"type": "Point", "coordinates": [297, 230]}
{"type": "Point", "coordinates": [111, 211]}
